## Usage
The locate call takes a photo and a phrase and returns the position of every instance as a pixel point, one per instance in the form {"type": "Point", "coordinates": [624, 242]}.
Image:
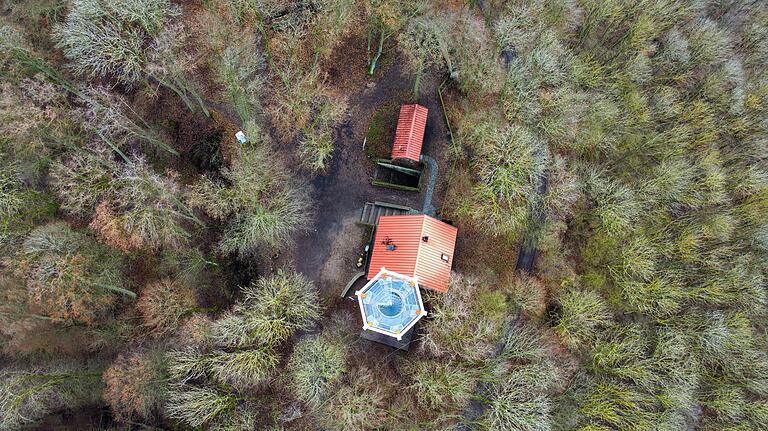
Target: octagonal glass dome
{"type": "Point", "coordinates": [390, 303]}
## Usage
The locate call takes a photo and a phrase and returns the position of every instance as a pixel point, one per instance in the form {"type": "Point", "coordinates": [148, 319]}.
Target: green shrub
{"type": "Point", "coordinates": [334, 20]}
{"type": "Point", "coordinates": [583, 315]}
{"type": "Point", "coordinates": [11, 192]}
{"type": "Point", "coordinates": [31, 392]}
{"type": "Point", "coordinates": [271, 310]}
{"type": "Point", "coordinates": [619, 406]}
{"type": "Point", "coordinates": [616, 207]}
{"type": "Point", "coordinates": [187, 365]}
{"type": "Point", "coordinates": [164, 304]}
{"type": "Point", "coordinates": [144, 212]}
{"type": "Point", "coordinates": [133, 206]}
{"type": "Point", "coordinates": [263, 205]}
{"type": "Point", "coordinates": [303, 104]}
{"type": "Point", "coordinates": [273, 225]}
{"type": "Point", "coordinates": [466, 321]}
{"type": "Point", "coordinates": [524, 343]}
{"type": "Point", "coordinates": [508, 412]}
{"type": "Point", "coordinates": [520, 401]}
{"type": "Point", "coordinates": [316, 365]}
{"type": "Point", "coordinates": [136, 385]}
{"type": "Point", "coordinates": [354, 405]}
{"type": "Point", "coordinates": [170, 64]}
{"type": "Point", "coordinates": [529, 294]}
{"type": "Point", "coordinates": [441, 386]}
{"type": "Point", "coordinates": [250, 10]}
{"type": "Point", "coordinates": [245, 368]}
{"type": "Point", "coordinates": [316, 148]}
{"type": "Point", "coordinates": [510, 161]}
{"type": "Point", "coordinates": [36, 120]}
{"type": "Point", "coordinates": [426, 40]}
{"type": "Point", "coordinates": [237, 351]}
{"type": "Point", "coordinates": [727, 403]}
{"type": "Point", "coordinates": [239, 72]}
{"type": "Point", "coordinates": [197, 406]}
{"type": "Point", "coordinates": [658, 297]}
{"type": "Point", "coordinates": [83, 181]}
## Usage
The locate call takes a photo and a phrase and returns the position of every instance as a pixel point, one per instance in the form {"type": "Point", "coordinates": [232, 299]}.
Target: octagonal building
{"type": "Point", "coordinates": [390, 303]}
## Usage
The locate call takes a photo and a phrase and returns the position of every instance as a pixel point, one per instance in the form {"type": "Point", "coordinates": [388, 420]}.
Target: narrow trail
{"type": "Point", "coordinates": [526, 258]}
{"type": "Point", "coordinates": [526, 262]}
{"type": "Point", "coordinates": [428, 207]}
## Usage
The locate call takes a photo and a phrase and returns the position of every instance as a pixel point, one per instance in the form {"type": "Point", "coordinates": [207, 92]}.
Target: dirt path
{"type": "Point", "coordinates": [341, 192]}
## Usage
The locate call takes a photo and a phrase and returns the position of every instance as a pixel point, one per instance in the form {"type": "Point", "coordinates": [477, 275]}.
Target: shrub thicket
{"type": "Point", "coordinates": [132, 206]}
{"type": "Point", "coordinates": [238, 351]}
{"type": "Point", "coordinates": [271, 310]}
{"type": "Point", "coordinates": [315, 366]}
{"type": "Point", "coordinates": [624, 140]}
{"type": "Point", "coordinates": [262, 204]}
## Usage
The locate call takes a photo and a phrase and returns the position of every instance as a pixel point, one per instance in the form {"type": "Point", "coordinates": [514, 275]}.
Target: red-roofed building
{"type": "Point", "coordinates": [409, 135]}
{"type": "Point", "coordinates": [418, 246]}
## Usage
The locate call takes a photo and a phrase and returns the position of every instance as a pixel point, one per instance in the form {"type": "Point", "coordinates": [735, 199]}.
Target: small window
{"type": "Point", "coordinates": [444, 257]}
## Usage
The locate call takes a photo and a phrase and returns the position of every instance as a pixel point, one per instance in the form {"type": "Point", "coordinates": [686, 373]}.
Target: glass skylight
{"type": "Point", "coordinates": [390, 303]}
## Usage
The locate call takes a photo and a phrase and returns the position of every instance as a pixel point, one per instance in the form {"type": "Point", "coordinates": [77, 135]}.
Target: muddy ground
{"type": "Point", "coordinates": [327, 252]}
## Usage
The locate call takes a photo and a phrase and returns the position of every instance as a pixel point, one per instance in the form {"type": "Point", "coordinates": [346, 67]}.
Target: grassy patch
{"type": "Point", "coordinates": [381, 129]}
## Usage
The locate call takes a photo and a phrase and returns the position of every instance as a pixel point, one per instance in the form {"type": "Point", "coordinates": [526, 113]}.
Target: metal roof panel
{"type": "Point", "coordinates": [409, 134]}
{"type": "Point", "coordinates": [399, 246]}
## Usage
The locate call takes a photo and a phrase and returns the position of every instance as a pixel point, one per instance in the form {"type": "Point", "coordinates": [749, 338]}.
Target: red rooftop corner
{"type": "Point", "coordinates": [417, 246]}
{"type": "Point", "coordinates": [409, 135]}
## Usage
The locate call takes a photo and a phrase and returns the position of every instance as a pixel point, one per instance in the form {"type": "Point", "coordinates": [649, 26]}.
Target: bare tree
{"type": "Point", "coordinates": [30, 392]}
{"type": "Point", "coordinates": [113, 120]}
{"type": "Point", "coordinates": [69, 274]}
{"type": "Point", "coordinates": [104, 38]}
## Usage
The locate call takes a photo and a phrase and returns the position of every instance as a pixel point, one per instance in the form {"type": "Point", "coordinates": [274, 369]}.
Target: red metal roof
{"type": "Point", "coordinates": [410, 132]}
{"type": "Point", "coordinates": [412, 255]}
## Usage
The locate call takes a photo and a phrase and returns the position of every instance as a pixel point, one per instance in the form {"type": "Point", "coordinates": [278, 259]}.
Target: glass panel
{"type": "Point", "coordinates": [393, 307]}
{"type": "Point", "coordinates": [391, 304]}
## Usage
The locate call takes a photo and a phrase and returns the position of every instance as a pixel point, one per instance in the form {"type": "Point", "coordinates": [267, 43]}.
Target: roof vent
{"type": "Point", "coordinates": [425, 238]}
{"type": "Point", "coordinates": [444, 257]}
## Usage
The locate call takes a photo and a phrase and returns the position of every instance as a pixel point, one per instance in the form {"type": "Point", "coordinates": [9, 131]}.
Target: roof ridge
{"type": "Point", "coordinates": [418, 247]}
{"type": "Point", "coordinates": [413, 124]}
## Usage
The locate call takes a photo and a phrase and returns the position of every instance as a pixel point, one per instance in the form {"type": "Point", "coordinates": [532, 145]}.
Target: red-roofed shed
{"type": "Point", "coordinates": [410, 132]}
{"type": "Point", "coordinates": [417, 246]}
